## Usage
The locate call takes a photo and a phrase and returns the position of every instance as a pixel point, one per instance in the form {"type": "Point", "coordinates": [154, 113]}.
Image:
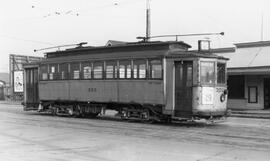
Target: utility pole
{"type": "Point", "coordinates": [148, 22]}
{"type": "Point", "coordinates": [262, 27]}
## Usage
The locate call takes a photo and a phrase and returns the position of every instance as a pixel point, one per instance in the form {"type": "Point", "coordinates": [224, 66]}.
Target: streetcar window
{"type": "Point", "coordinates": [189, 75]}
{"type": "Point", "coordinates": [111, 69]}
{"type": "Point", "coordinates": [87, 68]}
{"type": "Point", "coordinates": [75, 71]}
{"type": "Point", "coordinates": [124, 69]}
{"type": "Point", "coordinates": [139, 69]}
{"type": "Point", "coordinates": [53, 69]}
{"type": "Point", "coordinates": [43, 72]}
{"type": "Point", "coordinates": [63, 71]}
{"type": "Point", "coordinates": [208, 72]}
{"type": "Point", "coordinates": [155, 69]}
{"type": "Point", "coordinates": [221, 73]}
{"type": "Point", "coordinates": [98, 70]}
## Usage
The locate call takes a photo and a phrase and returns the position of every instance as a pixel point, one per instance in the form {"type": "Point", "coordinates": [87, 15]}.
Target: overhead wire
{"type": "Point", "coordinates": [26, 40]}
{"type": "Point", "coordinates": [53, 12]}
{"type": "Point", "coordinates": [58, 12]}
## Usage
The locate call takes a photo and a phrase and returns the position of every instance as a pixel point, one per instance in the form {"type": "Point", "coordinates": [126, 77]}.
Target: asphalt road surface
{"type": "Point", "coordinates": [29, 136]}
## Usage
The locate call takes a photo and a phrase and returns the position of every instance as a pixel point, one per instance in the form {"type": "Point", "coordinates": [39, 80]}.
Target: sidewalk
{"type": "Point", "coordinates": [11, 102]}
{"type": "Point", "coordinates": [265, 114]}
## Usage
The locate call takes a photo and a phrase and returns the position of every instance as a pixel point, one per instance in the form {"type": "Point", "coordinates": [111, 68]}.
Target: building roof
{"type": "Point", "coordinates": [252, 44]}
{"type": "Point", "coordinates": [128, 47]}
{"type": "Point", "coordinates": [249, 58]}
{"type": "Point", "coordinates": [248, 55]}
{"type": "Point", "coordinates": [115, 42]}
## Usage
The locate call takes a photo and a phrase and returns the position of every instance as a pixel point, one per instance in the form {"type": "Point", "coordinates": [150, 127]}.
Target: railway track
{"type": "Point", "coordinates": [237, 135]}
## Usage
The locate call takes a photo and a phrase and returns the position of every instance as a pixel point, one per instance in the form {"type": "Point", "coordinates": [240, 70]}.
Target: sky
{"type": "Point", "coordinates": [35, 24]}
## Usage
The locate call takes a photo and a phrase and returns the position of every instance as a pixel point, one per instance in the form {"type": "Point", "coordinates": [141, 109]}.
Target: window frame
{"type": "Point", "coordinates": [102, 70]}
{"type": "Point", "coordinates": [256, 94]}
{"type": "Point", "coordinates": [71, 71]}
{"type": "Point", "coordinates": [236, 86]}
{"type": "Point", "coordinates": [150, 76]}
{"type": "Point", "coordinates": [189, 75]}
{"type": "Point", "coordinates": [82, 70]}
{"type": "Point", "coordinates": [115, 69]}
{"type": "Point", "coordinates": [138, 69]}
{"type": "Point", "coordinates": [126, 67]}
{"type": "Point", "coordinates": [67, 72]}
{"type": "Point", "coordinates": [41, 73]}
{"type": "Point", "coordinates": [214, 73]}
{"type": "Point", "coordinates": [55, 73]}
{"type": "Point", "coordinates": [225, 77]}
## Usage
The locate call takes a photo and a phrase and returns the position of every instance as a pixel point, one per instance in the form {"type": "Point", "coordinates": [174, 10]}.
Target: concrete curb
{"type": "Point", "coordinates": [258, 116]}
{"type": "Point", "coordinates": [10, 102]}
{"type": "Point", "coordinates": [244, 114]}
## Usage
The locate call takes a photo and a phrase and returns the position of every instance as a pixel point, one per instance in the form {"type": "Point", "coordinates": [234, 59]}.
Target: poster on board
{"type": "Point", "coordinates": [18, 81]}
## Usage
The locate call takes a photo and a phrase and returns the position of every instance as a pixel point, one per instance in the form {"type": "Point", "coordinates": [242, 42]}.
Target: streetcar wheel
{"type": "Point", "coordinates": [146, 118]}
{"type": "Point", "coordinates": [92, 115]}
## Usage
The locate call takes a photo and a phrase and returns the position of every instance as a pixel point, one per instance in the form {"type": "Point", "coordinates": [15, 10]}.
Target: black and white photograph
{"type": "Point", "coordinates": [135, 80]}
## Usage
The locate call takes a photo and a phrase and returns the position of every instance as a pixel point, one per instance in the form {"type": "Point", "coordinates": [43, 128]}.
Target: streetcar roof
{"type": "Point", "coordinates": [125, 47]}
{"type": "Point", "coordinates": [171, 49]}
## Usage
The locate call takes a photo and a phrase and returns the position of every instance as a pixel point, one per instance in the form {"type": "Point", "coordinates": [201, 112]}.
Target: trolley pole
{"type": "Point", "coordinates": [176, 36]}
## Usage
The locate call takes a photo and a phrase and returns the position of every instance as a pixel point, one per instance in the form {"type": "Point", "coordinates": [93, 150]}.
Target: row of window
{"type": "Point", "coordinates": [113, 69]}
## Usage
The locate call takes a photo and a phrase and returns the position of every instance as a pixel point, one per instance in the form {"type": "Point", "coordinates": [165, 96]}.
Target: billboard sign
{"type": "Point", "coordinates": [18, 81]}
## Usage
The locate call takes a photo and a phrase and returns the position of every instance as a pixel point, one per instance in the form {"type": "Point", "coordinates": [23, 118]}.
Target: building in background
{"type": "Point", "coordinates": [16, 77]}
{"type": "Point", "coordinates": [249, 75]}
{"type": "Point", "coordinates": [4, 83]}
{"type": "Point", "coordinates": [115, 43]}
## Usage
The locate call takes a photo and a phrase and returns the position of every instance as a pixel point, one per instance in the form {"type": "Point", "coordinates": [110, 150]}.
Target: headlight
{"type": "Point", "coordinates": [222, 97]}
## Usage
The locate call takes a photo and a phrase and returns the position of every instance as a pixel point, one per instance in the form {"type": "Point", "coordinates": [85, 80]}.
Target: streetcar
{"type": "Point", "coordinates": [148, 81]}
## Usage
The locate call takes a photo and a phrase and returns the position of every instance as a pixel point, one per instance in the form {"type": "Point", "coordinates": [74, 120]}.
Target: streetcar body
{"type": "Point", "coordinates": [147, 81]}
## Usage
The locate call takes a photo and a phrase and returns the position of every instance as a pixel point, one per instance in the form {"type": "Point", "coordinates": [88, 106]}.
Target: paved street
{"type": "Point", "coordinates": [29, 136]}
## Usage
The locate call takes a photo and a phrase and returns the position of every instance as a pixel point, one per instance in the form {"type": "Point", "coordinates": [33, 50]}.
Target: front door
{"type": "Point", "coordinates": [31, 87]}
{"type": "Point", "coordinates": [267, 93]}
{"type": "Point", "coordinates": [183, 88]}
